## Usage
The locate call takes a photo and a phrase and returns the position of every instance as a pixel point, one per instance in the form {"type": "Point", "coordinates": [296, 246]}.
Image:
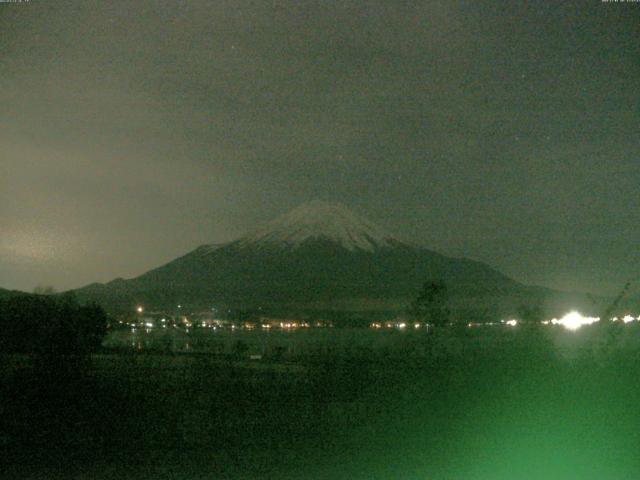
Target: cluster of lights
{"type": "Point", "coordinates": [184, 322]}
{"type": "Point", "coordinates": [574, 320]}
{"type": "Point", "coordinates": [293, 325]}
{"type": "Point", "coordinates": [571, 321]}
{"type": "Point", "coordinates": [397, 325]}
{"type": "Point", "coordinates": [625, 319]}
{"type": "Point", "coordinates": [485, 324]}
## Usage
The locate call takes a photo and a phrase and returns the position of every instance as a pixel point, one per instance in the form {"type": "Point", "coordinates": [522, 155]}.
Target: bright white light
{"type": "Point", "coordinates": [627, 319]}
{"type": "Point", "coordinates": [511, 323]}
{"type": "Point", "coordinates": [402, 325]}
{"type": "Point", "coordinates": [139, 309]}
{"type": "Point", "coordinates": [574, 320]}
{"type": "Point", "coordinates": [148, 325]}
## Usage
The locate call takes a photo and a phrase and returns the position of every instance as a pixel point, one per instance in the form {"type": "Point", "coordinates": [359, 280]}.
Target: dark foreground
{"type": "Point", "coordinates": [507, 404]}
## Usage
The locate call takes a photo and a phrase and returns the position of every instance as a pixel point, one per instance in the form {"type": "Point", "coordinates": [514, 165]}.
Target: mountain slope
{"type": "Point", "coordinates": [319, 254]}
{"type": "Point", "coordinates": [5, 294]}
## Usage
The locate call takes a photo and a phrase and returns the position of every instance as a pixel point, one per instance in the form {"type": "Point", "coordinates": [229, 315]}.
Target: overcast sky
{"type": "Point", "coordinates": [132, 132]}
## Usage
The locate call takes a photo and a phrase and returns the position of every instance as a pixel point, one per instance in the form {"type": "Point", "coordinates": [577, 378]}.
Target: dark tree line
{"type": "Point", "coordinates": [50, 325]}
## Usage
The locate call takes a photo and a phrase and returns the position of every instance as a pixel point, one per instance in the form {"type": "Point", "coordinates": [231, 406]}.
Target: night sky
{"type": "Point", "coordinates": [507, 132]}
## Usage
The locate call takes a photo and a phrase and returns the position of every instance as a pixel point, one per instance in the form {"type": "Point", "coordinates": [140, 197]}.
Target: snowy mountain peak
{"type": "Point", "coordinates": [321, 220]}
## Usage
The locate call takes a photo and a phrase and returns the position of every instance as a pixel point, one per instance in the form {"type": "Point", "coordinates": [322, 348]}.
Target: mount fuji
{"type": "Point", "coordinates": [318, 256]}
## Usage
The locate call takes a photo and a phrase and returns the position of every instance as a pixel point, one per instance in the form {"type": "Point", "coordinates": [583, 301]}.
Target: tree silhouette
{"type": "Point", "coordinates": [431, 304]}
{"type": "Point", "coordinates": [44, 290]}
{"type": "Point", "coordinates": [50, 325]}
{"type": "Point", "coordinates": [91, 326]}
{"type": "Point", "coordinates": [530, 313]}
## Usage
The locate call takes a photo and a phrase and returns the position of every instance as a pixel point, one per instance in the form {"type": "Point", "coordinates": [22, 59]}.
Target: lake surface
{"type": "Point", "coordinates": [362, 342]}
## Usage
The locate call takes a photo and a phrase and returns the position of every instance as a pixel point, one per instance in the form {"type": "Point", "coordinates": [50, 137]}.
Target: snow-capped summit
{"type": "Point", "coordinates": [318, 220]}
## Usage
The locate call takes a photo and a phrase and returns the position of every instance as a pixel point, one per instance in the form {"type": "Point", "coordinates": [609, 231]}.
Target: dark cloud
{"type": "Point", "coordinates": [502, 131]}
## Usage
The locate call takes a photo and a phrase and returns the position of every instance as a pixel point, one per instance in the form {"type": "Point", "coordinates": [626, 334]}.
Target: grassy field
{"type": "Point", "coordinates": [502, 403]}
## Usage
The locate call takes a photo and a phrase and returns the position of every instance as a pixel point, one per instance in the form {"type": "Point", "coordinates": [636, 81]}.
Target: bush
{"type": "Point", "coordinates": [50, 325]}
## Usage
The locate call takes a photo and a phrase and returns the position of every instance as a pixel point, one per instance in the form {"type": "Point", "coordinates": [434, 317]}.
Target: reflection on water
{"type": "Point", "coordinates": [265, 343]}
{"type": "Point", "coordinates": [359, 342]}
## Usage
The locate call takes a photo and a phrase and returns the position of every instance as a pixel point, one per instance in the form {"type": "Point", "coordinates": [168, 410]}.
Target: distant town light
{"type": "Point", "coordinates": [512, 323]}
{"type": "Point", "coordinates": [139, 309]}
{"type": "Point", "coordinates": [627, 319]}
{"type": "Point", "coordinates": [574, 320]}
